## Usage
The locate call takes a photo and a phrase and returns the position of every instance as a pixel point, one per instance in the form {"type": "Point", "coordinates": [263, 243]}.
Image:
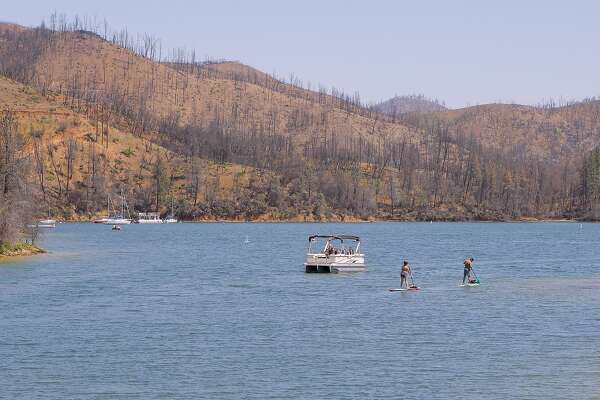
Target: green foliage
{"type": "Point", "coordinates": [251, 204]}
{"type": "Point", "coordinates": [8, 249]}
{"type": "Point", "coordinates": [128, 152]}
{"type": "Point", "coordinates": [36, 133]}
{"type": "Point", "coordinates": [591, 174]}
{"type": "Point", "coordinates": [161, 179]}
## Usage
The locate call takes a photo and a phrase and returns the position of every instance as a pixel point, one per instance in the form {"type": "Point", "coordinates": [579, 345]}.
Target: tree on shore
{"type": "Point", "coordinates": [16, 203]}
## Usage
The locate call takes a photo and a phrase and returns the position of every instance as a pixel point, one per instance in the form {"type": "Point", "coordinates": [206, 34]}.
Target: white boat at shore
{"type": "Point", "coordinates": [118, 219]}
{"type": "Point", "coordinates": [171, 217]}
{"type": "Point", "coordinates": [341, 253]}
{"type": "Point", "coordinates": [46, 223]}
{"type": "Point", "coordinates": [43, 224]}
{"type": "Point", "coordinates": [149, 218]}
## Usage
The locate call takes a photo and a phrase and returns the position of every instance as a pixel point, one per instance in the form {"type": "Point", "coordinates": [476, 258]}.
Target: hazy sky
{"type": "Point", "coordinates": [461, 52]}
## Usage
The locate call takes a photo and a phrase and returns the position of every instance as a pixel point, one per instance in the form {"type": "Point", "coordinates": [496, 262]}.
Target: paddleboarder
{"type": "Point", "coordinates": [404, 274]}
{"type": "Point", "coordinates": [468, 263]}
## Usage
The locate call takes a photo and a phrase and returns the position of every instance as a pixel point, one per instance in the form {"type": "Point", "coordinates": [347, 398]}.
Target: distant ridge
{"type": "Point", "coordinates": [414, 103]}
{"type": "Point", "coordinates": [9, 26]}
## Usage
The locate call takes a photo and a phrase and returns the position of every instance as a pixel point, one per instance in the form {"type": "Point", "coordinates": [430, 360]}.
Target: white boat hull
{"type": "Point", "coordinates": [117, 221]}
{"type": "Point", "coordinates": [335, 263]}
{"type": "Point", "coordinates": [150, 221]}
{"type": "Point", "coordinates": [40, 225]}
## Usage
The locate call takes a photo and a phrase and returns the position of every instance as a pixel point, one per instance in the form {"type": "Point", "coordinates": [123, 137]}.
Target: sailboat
{"type": "Point", "coordinates": [171, 217]}
{"type": "Point", "coordinates": [47, 223]}
{"type": "Point", "coordinates": [118, 219]}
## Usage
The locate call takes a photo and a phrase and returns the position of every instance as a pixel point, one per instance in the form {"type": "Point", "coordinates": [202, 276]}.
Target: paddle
{"type": "Point", "coordinates": [475, 275]}
{"type": "Point", "coordinates": [412, 279]}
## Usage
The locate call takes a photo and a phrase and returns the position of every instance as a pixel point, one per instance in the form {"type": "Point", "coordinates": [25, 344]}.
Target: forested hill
{"type": "Point", "coordinates": [103, 113]}
{"type": "Point", "coordinates": [399, 105]}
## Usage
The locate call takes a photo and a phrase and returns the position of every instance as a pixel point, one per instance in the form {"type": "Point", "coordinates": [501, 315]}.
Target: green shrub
{"type": "Point", "coordinates": [128, 152]}
{"type": "Point", "coordinates": [62, 126]}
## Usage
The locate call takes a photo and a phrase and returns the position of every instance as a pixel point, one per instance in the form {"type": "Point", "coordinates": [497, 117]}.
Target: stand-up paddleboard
{"type": "Point", "coordinates": [410, 289]}
{"type": "Point", "coordinates": [469, 284]}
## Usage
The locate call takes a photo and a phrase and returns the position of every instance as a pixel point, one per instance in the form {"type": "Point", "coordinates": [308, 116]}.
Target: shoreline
{"type": "Point", "coordinates": [352, 220]}
{"type": "Point", "coordinates": [19, 250]}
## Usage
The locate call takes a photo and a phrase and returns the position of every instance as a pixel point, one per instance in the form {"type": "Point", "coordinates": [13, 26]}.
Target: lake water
{"type": "Point", "coordinates": [190, 311]}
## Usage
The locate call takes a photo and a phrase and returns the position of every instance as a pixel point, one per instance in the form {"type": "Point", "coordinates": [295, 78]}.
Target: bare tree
{"type": "Point", "coordinates": [16, 203]}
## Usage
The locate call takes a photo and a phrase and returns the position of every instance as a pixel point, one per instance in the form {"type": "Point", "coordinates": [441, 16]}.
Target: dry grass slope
{"type": "Point", "coordinates": [50, 128]}
{"type": "Point", "coordinates": [92, 65]}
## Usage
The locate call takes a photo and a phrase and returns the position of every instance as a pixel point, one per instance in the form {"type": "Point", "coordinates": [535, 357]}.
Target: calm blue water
{"type": "Point", "coordinates": [190, 311]}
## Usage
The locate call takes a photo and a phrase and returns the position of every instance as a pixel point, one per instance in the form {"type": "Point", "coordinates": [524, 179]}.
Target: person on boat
{"type": "Point", "coordinates": [404, 274]}
{"type": "Point", "coordinates": [468, 263]}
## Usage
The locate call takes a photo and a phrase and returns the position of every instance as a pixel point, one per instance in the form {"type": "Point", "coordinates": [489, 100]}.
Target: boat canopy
{"type": "Point", "coordinates": [333, 237]}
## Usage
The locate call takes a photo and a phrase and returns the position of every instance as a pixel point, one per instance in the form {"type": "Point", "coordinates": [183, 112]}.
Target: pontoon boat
{"type": "Point", "coordinates": [340, 253]}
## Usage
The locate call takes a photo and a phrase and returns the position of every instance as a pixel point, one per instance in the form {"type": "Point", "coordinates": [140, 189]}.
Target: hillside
{"type": "Point", "coordinates": [229, 141]}
{"type": "Point", "coordinates": [76, 169]}
{"type": "Point", "coordinates": [552, 134]}
{"type": "Point", "coordinates": [10, 27]}
{"type": "Point", "coordinates": [88, 67]}
{"type": "Point", "coordinates": [74, 165]}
